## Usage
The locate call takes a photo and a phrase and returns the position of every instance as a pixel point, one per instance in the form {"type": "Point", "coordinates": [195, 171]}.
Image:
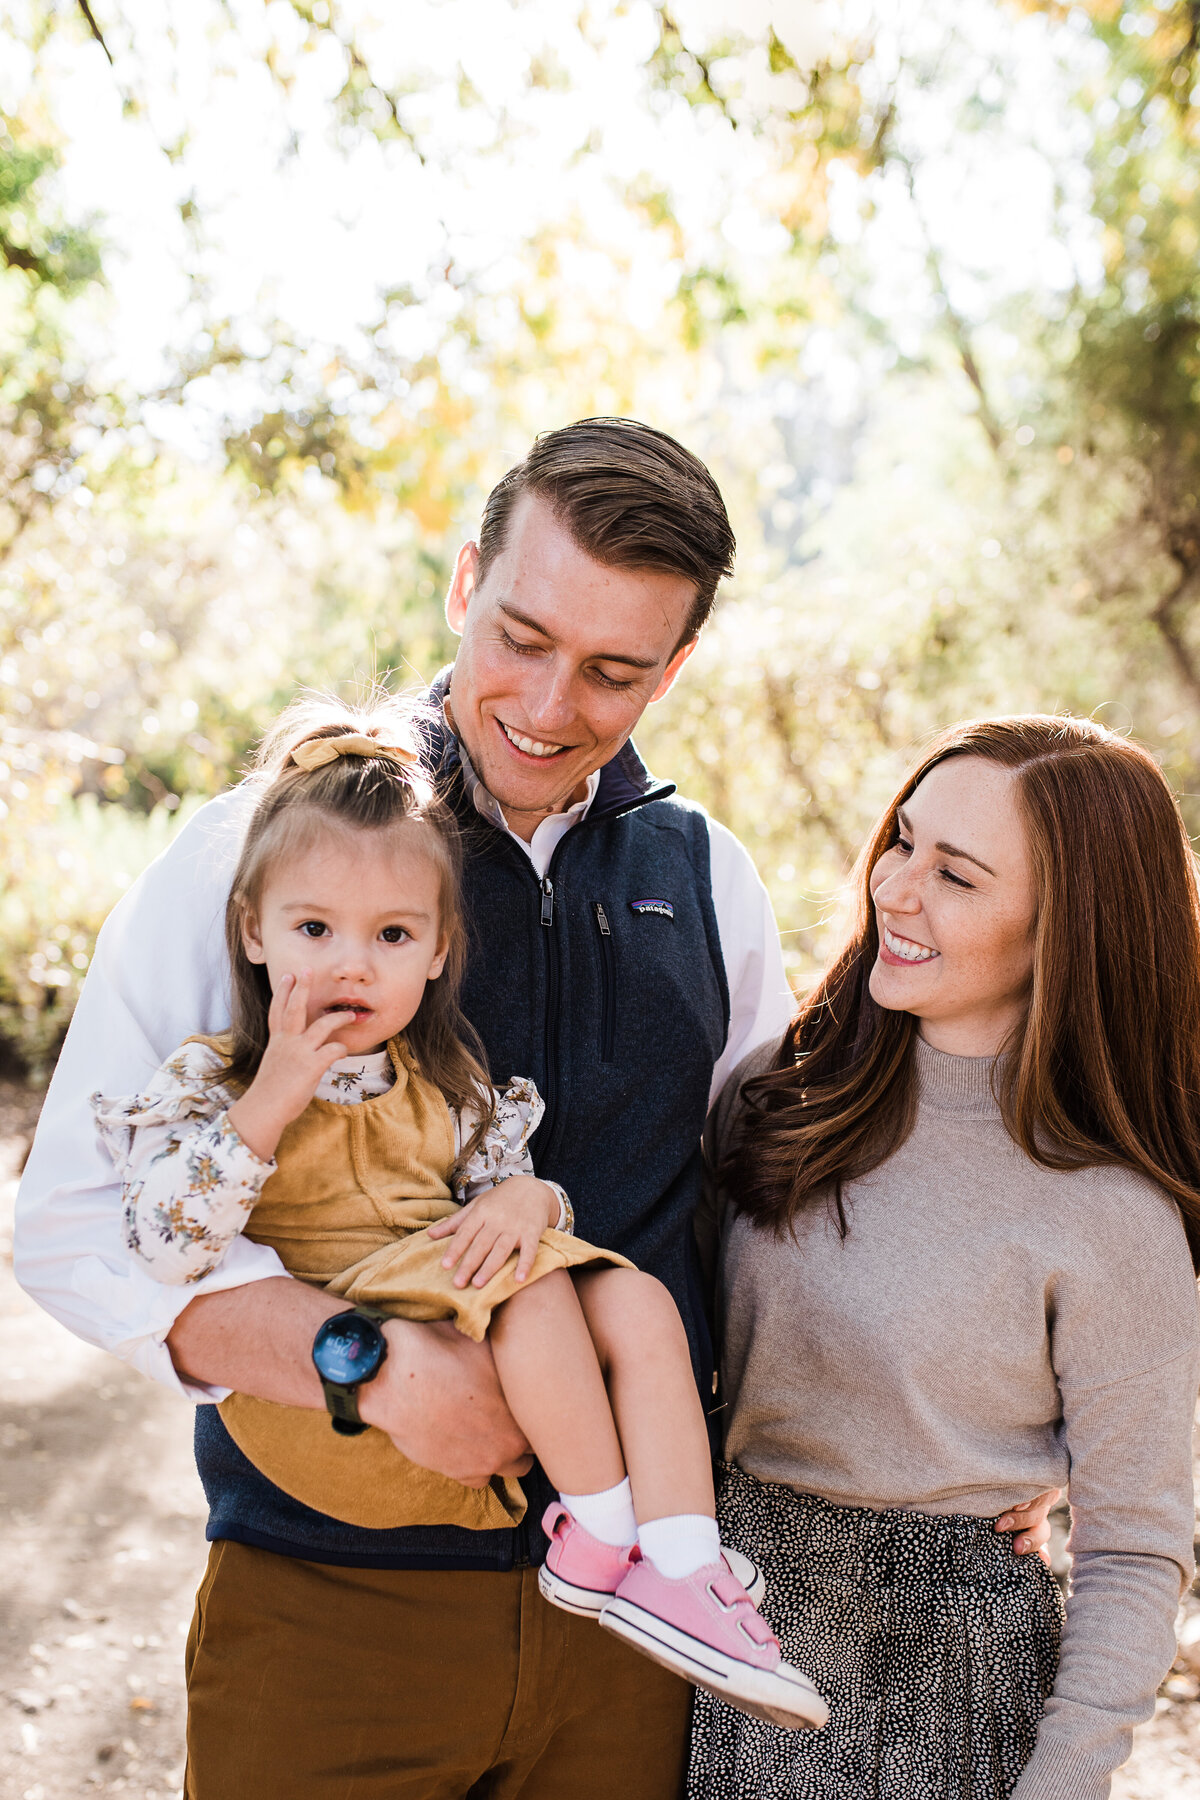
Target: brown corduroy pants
{"type": "Point", "coordinates": [309, 1682]}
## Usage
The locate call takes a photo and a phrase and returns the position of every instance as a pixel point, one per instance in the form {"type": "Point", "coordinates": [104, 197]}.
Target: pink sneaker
{"type": "Point", "coordinates": [581, 1574]}
{"type": "Point", "coordinates": [705, 1628]}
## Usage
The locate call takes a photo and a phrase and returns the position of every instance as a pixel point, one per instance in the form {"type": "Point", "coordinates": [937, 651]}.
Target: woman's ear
{"type": "Point", "coordinates": [252, 942]}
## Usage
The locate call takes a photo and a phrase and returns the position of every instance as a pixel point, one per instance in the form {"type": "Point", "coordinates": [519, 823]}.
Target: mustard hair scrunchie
{"type": "Point", "coordinates": [318, 751]}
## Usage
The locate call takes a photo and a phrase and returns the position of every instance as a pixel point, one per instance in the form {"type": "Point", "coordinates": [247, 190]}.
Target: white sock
{"type": "Point", "coordinates": [608, 1515]}
{"type": "Point", "coordinates": [680, 1545]}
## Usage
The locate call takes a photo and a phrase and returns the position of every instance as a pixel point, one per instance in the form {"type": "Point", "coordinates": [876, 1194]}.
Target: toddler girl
{"type": "Point", "coordinates": [346, 1119]}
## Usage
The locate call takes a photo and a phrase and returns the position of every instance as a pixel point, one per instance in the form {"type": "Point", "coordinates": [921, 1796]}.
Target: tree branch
{"type": "Point", "coordinates": [95, 30]}
{"type": "Point", "coordinates": [779, 718]}
{"type": "Point", "coordinates": [1168, 615]}
{"type": "Point", "coordinates": [668, 24]}
{"type": "Point", "coordinates": [955, 323]}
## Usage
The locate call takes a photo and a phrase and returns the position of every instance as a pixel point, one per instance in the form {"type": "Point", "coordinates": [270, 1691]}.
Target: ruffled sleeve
{"type": "Point", "coordinates": [189, 1183]}
{"type": "Point", "coordinates": [505, 1147]}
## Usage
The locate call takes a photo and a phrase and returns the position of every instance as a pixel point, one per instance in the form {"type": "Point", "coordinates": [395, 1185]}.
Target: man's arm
{"type": "Point", "coordinates": [160, 974]}
{"type": "Point", "coordinates": [436, 1395]}
{"type": "Point", "coordinates": [760, 1001]}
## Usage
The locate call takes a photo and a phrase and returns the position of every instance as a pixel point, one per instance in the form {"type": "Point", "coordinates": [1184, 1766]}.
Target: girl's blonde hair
{"type": "Point", "coordinates": [357, 792]}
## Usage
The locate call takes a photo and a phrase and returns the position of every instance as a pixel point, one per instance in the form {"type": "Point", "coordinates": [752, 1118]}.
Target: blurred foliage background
{"type": "Point", "coordinates": [285, 286]}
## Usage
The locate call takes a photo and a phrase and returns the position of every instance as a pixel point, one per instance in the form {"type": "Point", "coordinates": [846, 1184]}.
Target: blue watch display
{"type": "Point", "coordinates": [348, 1349]}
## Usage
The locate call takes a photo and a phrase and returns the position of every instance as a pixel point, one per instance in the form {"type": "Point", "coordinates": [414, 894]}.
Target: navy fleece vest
{"type": "Point", "coordinates": [605, 983]}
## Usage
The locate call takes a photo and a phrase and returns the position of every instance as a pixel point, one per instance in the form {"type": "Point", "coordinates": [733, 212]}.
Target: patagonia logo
{"type": "Point", "coordinates": [663, 908]}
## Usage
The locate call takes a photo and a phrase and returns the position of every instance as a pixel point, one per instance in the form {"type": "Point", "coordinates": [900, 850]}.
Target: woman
{"type": "Point", "coordinates": [957, 1203]}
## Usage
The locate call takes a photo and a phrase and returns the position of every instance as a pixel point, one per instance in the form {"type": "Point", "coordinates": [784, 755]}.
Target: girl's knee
{"type": "Point", "coordinates": [547, 1297]}
{"type": "Point", "coordinates": [621, 1302]}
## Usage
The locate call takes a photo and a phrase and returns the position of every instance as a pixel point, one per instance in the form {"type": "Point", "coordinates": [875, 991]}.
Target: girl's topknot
{"type": "Point", "coordinates": [386, 733]}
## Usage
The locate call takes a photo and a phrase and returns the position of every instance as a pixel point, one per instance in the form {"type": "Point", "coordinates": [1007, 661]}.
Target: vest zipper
{"type": "Point", "coordinates": [550, 1095]}
{"type": "Point", "coordinates": [608, 984]}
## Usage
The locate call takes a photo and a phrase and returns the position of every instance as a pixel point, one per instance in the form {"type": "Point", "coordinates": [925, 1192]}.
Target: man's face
{"type": "Point", "coordinates": [560, 656]}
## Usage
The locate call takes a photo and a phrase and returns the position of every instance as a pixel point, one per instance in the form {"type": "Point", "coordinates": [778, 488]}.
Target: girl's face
{"type": "Point", "coordinates": [360, 910]}
{"type": "Point", "coordinates": [955, 905]}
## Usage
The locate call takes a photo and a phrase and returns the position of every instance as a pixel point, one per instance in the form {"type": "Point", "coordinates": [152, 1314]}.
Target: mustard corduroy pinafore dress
{"type": "Point", "coordinates": [353, 1189]}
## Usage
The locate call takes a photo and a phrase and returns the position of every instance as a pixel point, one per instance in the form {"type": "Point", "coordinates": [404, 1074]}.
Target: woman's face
{"type": "Point", "coordinates": [954, 901]}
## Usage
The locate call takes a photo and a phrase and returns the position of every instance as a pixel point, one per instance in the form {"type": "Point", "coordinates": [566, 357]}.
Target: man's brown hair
{"type": "Point", "coordinates": [631, 497]}
{"type": "Point", "coordinates": [1105, 1065]}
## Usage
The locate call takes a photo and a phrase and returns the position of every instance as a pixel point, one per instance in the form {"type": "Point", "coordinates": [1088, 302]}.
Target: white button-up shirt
{"type": "Point", "coordinates": [160, 973]}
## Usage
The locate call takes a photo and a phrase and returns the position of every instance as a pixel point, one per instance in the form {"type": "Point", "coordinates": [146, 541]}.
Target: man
{"type": "Point", "coordinates": [624, 956]}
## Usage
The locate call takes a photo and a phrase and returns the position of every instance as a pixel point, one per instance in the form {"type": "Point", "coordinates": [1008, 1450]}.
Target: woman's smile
{"type": "Point", "coordinates": [897, 949]}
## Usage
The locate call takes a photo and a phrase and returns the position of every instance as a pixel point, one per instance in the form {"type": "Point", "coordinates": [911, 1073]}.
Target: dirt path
{"type": "Point", "coordinates": [102, 1544]}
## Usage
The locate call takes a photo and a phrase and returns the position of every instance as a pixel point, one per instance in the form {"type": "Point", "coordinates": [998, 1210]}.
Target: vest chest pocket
{"type": "Point", "coordinates": [608, 983]}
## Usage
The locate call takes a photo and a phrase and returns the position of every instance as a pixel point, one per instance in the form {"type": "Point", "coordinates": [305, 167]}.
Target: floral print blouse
{"type": "Point", "coordinates": [190, 1183]}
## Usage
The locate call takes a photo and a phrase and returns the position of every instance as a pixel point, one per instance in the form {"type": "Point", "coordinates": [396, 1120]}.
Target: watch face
{"type": "Point", "coordinates": [348, 1349]}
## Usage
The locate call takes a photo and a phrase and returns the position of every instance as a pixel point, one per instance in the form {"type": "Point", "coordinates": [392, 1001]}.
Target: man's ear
{"type": "Point", "coordinates": [252, 942]}
{"type": "Point", "coordinates": [462, 587]}
{"type": "Point", "coordinates": [672, 669]}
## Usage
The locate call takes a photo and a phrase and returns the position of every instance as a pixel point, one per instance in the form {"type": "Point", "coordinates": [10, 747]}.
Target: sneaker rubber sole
{"type": "Point", "coordinates": [780, 1696]}
{"type": "Point", "coordinates": [588, 1604]}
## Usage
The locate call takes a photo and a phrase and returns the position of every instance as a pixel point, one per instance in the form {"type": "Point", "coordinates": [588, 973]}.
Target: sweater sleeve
{"type": "Point", "coordinates": [1125, 1345]}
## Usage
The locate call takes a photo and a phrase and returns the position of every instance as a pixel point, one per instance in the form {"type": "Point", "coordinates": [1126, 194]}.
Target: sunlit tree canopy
{"type": "Point", "coordinates": [285, 287]}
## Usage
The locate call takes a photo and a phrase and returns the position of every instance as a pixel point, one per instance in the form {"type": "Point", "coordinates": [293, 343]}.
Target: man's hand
{"type": "Point", "coordinates": [511, 1216]}
{"type": "Point", "coordinates": [1032, 1522]}
{"type": "Point", "coordinates": [436, 1396]}
{"type": "Point", "coordinates": [439, 1399]}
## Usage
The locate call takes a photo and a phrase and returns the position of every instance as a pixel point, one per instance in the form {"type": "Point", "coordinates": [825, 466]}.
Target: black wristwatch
{"type": "Point", "coordinates": [349, 1349]}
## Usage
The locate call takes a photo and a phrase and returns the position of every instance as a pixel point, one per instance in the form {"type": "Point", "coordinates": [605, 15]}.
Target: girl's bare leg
{"type": "Point", "coordinates": [551, 1376]}
{"type": "Point", "coordinates": [643, 1351]}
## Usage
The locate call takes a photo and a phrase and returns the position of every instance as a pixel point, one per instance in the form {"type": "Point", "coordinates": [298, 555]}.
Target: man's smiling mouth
{"type": "Point", "coordinates": [531, 746]}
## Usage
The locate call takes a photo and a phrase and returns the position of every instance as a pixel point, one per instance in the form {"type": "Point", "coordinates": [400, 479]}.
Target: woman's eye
{"type": "Point", "coordinates": [393, 934]}
{"type": "Point", "coordinates": [903, 846]}
{"type": "Point", "coordinates": [313, 928]}
{"type": "Point", "coordinates": [956, 880]}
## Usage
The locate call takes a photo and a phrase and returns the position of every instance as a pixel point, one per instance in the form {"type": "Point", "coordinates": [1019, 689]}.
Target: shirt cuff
{"type": "Point", "coordinates": [566, 1212]}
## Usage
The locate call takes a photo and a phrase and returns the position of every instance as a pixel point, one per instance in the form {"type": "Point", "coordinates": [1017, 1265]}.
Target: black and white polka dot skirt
{"type": "Point", "coordinates": [934, 1645]}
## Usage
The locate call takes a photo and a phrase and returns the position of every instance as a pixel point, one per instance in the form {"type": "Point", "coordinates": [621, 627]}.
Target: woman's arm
{"type": "Point", "coordinates": [1125, 1345]}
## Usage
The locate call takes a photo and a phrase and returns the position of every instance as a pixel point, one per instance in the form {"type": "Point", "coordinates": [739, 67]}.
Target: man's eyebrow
{"type": "Point", "coordinates": [520, 618]}
{"type": "Point", "coordinates": [948, 849]}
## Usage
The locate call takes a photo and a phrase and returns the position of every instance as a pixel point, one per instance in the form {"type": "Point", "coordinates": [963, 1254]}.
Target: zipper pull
{"type": "Point", "coordinates": [602, 920]}
{"type": "Point", "coordinates": [547, 900]}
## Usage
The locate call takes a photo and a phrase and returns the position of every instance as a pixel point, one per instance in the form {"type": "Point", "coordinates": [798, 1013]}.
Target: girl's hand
{"type": "Point", "coordinates": [511, 1216]}
{"type": "Point", "coordinates": [296, 1057]}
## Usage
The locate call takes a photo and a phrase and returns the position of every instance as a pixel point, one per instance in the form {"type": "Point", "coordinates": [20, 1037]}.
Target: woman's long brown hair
{"type": "Point", "coordinates": [1105, 1065]}
{"type": "Point", "coordinates": [355, 794]}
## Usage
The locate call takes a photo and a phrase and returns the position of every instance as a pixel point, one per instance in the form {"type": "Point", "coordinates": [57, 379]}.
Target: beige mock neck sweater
{"type": "Point", "coordinates": [987, 1329]}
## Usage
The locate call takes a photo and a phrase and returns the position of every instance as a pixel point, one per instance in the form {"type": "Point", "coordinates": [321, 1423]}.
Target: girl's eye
{"type": "Point", "coordinates": [313, 928]}
{"type": "Point", "coordinates": [393, 934]}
